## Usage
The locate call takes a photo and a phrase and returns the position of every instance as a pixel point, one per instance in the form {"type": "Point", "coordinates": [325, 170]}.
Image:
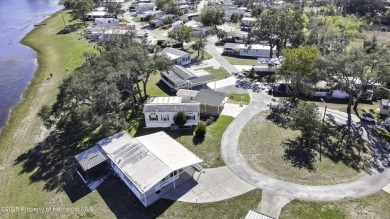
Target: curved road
{"type": "Point", "coordinates": [365, 185]}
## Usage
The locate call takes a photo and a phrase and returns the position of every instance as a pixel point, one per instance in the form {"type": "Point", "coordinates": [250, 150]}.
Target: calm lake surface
{"type": "Point", "coordinates": [18, 62]}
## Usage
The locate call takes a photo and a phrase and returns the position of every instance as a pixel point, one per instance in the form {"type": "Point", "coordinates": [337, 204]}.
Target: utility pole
{"type": "Point", "coordinates": [323, 127]}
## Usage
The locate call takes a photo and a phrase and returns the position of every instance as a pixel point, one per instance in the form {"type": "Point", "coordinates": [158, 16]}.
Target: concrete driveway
{"type": "Point", "coordinates": [210, 185]}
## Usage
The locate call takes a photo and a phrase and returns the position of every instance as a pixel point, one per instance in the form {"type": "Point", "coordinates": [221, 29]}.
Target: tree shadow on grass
{"type": "Point", "coordinates": [71, 28]}
{"type": "Point", "coordinates": [124, 204]}
{"type": "Point", "coordinates": [52, 160]}
{"type": "Point", "coordinates": [300, 155]}
{"type": "Point", "coordinates": [347, 146]}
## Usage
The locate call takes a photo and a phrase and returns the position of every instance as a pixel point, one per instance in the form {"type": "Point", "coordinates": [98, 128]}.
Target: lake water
{"type": "Point", "coordinates": [17, 62]}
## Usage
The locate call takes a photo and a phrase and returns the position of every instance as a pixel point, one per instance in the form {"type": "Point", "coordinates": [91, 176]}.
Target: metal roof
{"type": "Point", "coordinates": [255, 215]}
{"type": "Point", "coordinates": [90, 158]}
{"type": "Point", "coordinates": [186, 93]}
{"type": "Point", "coordinates": [210, 97]}
{"type": "Point", "coordinates": [202, 79]}
{"type": "Point", "coordinates": [163, 100]}
{"type": "Point", "coordinates": [148, 159]}
{"type": "Point", "coordinates": [181, 107]}
{"type": "Point", "coordinates": [173, 53]}
{"type": "Point", "coordinates": [183, 72]}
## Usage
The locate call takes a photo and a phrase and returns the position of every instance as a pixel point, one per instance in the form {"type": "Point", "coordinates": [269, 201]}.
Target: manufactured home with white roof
{"type": "Point", "coordinates": [159, 112]}
{"type": "Point", "coordinates": [149, 165]}
{"type": "Point", "coordinates": [254, 50]}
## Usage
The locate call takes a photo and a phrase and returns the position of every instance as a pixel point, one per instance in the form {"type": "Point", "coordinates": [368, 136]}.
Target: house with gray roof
{"type": "Point", "coordinates": [177, 56]}
{"type": "Point", "coordinates": [92, 164]}
{"type": "Point", "coordinates": [180, 77]}
{"type": "Point", "coordinates": [159, 112]}
{"type": "Point", "coordinates": [211, 102]}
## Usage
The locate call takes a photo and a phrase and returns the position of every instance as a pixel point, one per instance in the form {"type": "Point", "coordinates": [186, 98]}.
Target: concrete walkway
{"type": "Point", "coordinates": [271, 204]}
{"type": "Point", "coordinates": [233, 110]}
{"type": "Point", "coordinates": [365, 185]}
{"type": "Point", "coordinates": [211, 48]}
{"type": "Point", "coordinates": [210, 185]}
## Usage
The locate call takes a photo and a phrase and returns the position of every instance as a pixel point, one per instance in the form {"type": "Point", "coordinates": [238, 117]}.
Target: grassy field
{"type": "Point", "coordinates": [56, 53]}
{"type": "Point", "coordinates": [261, 145]}
{"type": "Point", "coordinates": [219, 73]}
{"type": "Point", "coordinates": [236, 98]}
{"type": "Point", "coordinates": [373, 206]}
{"type": "Point", "coordinates": [194, 53]}
{"type": "Point", "coordinates": [27, 179]}
{"type": "Point", "coordinates": [208, 149]}
{"type": "Point", "coordinates": [241, 61]}
{"type": "Point", "coordinates": [157, 88]}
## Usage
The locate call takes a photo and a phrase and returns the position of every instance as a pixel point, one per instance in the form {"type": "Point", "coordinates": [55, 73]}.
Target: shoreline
{"type": "Point", "coordinates": [36, 66]}
{"type": "Point", "coordinates": [24, 129]}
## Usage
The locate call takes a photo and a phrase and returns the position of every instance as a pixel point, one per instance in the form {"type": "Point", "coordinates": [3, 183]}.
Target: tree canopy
{"type": "Point", "coordinates": [278, 27]}
{"type": "Point", "coordinates": [212, 16]}
{"type": "Point", "coordinates": [183, 34]}
{"type": "Point", "coordinates": [354, 71]}
{"type": "Point", "coordinates": [108, 89]}
{"type": "Point", "coordinates": [298, 68]}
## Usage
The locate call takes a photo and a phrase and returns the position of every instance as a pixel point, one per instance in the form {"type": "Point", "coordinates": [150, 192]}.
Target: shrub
{"type": "Point", "coordinates": [210, 120]}
{"type": "Point", "coordinates": [180, 119]}
{"type": "Point", "coordinates": [200, 130]}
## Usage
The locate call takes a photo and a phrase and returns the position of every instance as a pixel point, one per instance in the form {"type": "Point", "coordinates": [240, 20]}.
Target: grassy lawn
{"type": "Point", "coordinates": [136, 19]}
{"type": "Point", "coordinates": [157, 88]}
{"type": "Point", "coordinates": [125, 205]}
{"type": "Point", "coordinates": [219, 73]}
{"type": "Point", "coordinates": [261, 145]}
{"type": "Point", "coordinates": [236, 98]}
{"type": "Point", "coordinates": [342, 106]}
{"type": "Point", "coordinates": [194, 53]}
{"type": "Point", "coordinates": [56, 53]}
{"type": "Point", "coordinates": [209, 149]}
{"type": "Point", "coordinates": [241, 61]}
{"type": "Point", "coordinates": [373, 206]}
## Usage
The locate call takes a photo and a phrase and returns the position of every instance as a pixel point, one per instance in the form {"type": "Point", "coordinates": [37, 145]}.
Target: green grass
{"type": "Point", "coordinates": [194, 53]}
{"type": "Point", "coordinates": [157, 88]}
{"type": "Point", "coordinates": [208, 149]}
{"type": "Point", "coordinates": [236, 98]}
{"type": "Point", "coordinates": [219, 73]}
{"type": "Point", "coordinates": [56, 53]}
{"type": "Point", "coordinates": [241, 61]}
{"type": "Point", "coordinates": [261, 143]}
{"type": "Point", "coordinates": [383, 133]}
{"type": "Point", "coordinates": [136, 19]}
{"type": "Point", "coordinates": [372, 206]}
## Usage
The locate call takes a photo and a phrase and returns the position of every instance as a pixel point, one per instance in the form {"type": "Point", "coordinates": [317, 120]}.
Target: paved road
{"type": "Point", "coordinates": [210, 48]}
{"type": "Point", "coordinates": [366, 185]}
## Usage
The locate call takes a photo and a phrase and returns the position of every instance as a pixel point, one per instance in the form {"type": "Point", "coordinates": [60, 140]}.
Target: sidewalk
{"type": "Point", "coordinates": [210, 185]}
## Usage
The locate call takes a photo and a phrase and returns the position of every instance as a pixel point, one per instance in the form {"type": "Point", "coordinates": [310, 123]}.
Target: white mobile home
{"type": "Point", "coordinates": [247, 21]}
{"type": "Point", "coordinates": [150, 165]}
{"type": "Point", "coordinates": [255, 50]}
{"type": "Point", "coordinates": [177, 56]}
{"type": "Point", "coordinates": [144, 7]}
{"type": "Point", "coordinates": [160, 111]}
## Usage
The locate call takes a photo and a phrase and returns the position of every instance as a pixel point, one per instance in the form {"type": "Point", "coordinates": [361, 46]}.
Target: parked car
{"type": "Point", "coordinates": [368, 117]}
